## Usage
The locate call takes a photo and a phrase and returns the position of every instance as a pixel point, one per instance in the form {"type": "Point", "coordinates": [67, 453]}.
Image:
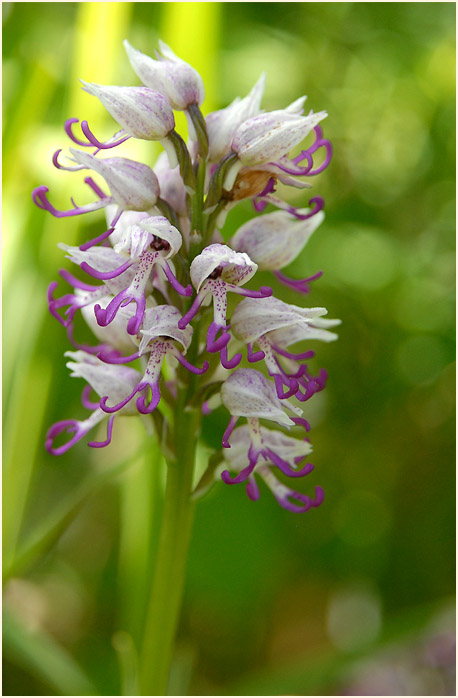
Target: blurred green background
{"type": "Point", "coordinates": [357, 596]}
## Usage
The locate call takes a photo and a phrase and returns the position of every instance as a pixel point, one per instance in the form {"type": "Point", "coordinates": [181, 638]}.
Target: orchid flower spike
{"type": "Point", "coordinates": [113, 381]}
{"type": "Point", "coordinates": [164, 242]}
{"type": "Point", "coordinates": [289, 450]}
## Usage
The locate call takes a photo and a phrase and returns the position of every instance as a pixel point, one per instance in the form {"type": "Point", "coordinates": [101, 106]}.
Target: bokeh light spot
{"type": "Point", "coordinates": [354, 618]}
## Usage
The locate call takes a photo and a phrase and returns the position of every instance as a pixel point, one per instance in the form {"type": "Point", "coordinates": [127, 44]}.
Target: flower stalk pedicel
{"type": "Point", "coordinates": [154, 293]}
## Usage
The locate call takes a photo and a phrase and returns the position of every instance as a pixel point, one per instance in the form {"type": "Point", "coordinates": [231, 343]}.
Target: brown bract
{"type": "Point", "coordinates": [249, 183]}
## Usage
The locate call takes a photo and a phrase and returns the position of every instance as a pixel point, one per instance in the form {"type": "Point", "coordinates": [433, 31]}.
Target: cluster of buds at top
{"type": "Point", "coordinates": [157, 279]}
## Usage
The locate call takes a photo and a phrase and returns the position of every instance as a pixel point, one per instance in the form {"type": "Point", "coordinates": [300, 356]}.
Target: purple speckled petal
{"type": "Point", "coordinates": [174, 281]}
{"type": "Point", "coordinates": [252, 489]}
{"type": "Point", "coordinates": [254, 356]}
{"type": "Point", "coordinates": [213, 344]}
{"type": "Point", "coordinates": [229, 429]}
{"type": "Point", "coordinates": [184, 362]}
{"type": "Point", "coordinates": [40, 199]}
{"type": "Point", "coordinates": [99, 144]}
{"type": "Point", "coordinates": [103, 275]}
{"type": "Point", "coordinates": [85, 399]}
{"type": "Point", "coordinates": [101, 444]}
{"type": "Point", "coordinates": [299, 285]}
{"type": "Point", "coordinates": [253, 455]}
{"type": "Point", "coordinates": [229, 363]}
{"type": "Point", "coordinates": [285, 467]}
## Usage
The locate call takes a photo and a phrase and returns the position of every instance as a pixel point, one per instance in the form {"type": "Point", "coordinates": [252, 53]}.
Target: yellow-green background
{"type": "Point", "coordinates": [267, 591]}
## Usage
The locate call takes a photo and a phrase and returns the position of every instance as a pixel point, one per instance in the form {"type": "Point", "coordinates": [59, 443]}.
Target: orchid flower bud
{"type": "Point", "coordinates": [222, 124]}
{"type": "Point", "coordinates": [133, 185]}
{"type": "Point", "coordinates": [142, 112]}
{"type": "Point", "coordinates": [171, 76]}
{"type": "Point", "coordinates": [274, 240]}
{"type": "Point", "coordinates": [171, 184]}
{"type": "Point", "coordinates": [267, 137]}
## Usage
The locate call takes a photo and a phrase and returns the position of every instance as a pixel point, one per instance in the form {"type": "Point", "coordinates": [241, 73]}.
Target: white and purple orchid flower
{"type": "Point", "coordinates": [276, 445]}
{"type": "Point", "coordinates": [274, 325]}
{"type": "Point", "coordinates": [215, 272]}
{"type": "Point", "coordinates": [164, 243]}
{"type": "Point", "coordinates": [160, 331]}
{"type": "Point", "coordinates": [113, 381]}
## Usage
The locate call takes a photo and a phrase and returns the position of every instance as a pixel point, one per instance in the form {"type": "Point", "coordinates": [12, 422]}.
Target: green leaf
{"type": "Point", "coordinates": [41, 656]}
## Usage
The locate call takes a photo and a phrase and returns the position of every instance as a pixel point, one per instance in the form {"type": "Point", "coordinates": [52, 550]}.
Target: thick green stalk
{"type": "Point", "coordinates": [167, 587]}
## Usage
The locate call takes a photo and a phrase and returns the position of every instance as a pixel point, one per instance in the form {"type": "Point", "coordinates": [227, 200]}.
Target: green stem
{"type": "Point", "coordinates": [168, 581]}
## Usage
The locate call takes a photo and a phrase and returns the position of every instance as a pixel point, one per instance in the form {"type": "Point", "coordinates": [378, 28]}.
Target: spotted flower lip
{"type": "Point", "coordinates": [170, 75]}
{"type": "Point", "coordinates": [132, 185]}
{"type": "Point", "coordinates": [274, 240]}
{"type": "Point", "coordinates": [222, 124]}
{"type": "Point", "coordinates": [142, 112]}
{"type": "Point", "coordinates": [270, 136]}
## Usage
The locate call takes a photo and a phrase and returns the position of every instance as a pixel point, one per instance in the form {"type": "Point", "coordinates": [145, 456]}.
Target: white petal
{"type": "Point", "coordinates": [106, 379]}
{"type": "Point", "coordinates": [247, 393]}
{"type": "Point", "coordinates": [275, 239]}
{"type": "Point", "coordinates": [254, 317]}
{"type": "Point", "coordinates": [162, 321]}
{"type": "Point", "coordinates": [237, 267]}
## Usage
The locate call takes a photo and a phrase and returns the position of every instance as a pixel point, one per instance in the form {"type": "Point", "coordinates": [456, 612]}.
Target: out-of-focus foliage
{"type": "Point", "coordinates": [274, 603]}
